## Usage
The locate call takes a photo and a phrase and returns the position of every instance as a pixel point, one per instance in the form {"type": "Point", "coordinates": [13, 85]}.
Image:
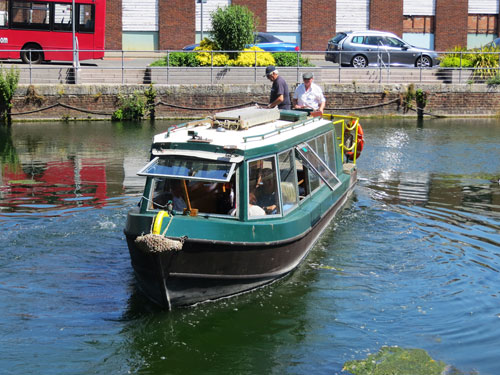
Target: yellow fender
{"type": "Point", "coordinates": [158, 220]}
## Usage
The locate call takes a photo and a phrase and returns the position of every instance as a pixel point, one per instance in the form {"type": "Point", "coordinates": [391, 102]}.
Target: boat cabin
{"type": "Point", "coordinates": [247, 164]}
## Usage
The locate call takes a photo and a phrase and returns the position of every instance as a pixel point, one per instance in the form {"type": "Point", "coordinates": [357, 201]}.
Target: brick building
{"type": "Point", "coordinates": [436, 24]}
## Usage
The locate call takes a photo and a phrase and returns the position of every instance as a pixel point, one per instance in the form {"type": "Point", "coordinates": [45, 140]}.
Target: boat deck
{"type": "Point", "coordinates": [258, 135]}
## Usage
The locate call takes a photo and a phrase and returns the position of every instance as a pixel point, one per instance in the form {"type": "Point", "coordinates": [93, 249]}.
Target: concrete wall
{"type": "Point", "coordinates": [197, 100]}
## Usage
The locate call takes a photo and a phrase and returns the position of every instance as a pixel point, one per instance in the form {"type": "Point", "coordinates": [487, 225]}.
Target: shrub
{"type": "Point", "coordinates": [149, 107]}
{"type": "Point", "coordinates": [494, 80]}
{"type": "Point", "coordinates": [233, 28]}
{"type": "Point", "coordinates": [8, 84]}
{"type": "Point", "coordinates": [248, 56]}
{"type": "Point", "coordinates": [132, 107]}
{"type": "Point", "coordinates": [290, 59]}
{"type": "Point", "coordinates": [205, 58]}
{"type": "Point", "coordinates": [178, 59]}
{"type": "Point", "coordinates": [486, 62]}
{"type": "Point", "coordinates": [454, 62]}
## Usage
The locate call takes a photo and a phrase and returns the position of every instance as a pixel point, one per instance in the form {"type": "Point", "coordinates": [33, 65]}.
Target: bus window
{"type": "Point", "coordinates": [62, 17]}
{"type": "Point", "coordinates": [4, 13]}
{"type": "Point", "coordinates": [86, 18]}
{"type": "Point", "coordinates": [30, 15]}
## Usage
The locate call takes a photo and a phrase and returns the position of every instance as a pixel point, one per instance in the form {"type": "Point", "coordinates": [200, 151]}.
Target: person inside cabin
{"type": "Point", "coordinates": [280, 95]}
{"type": "Point", "coordinates": [309, 95]}
{"type": "Point", "coordinates": [178, 202]}
{"type": "Point", "coordinates": [266, 194]}
{"type": "Point", "coordinates": [253, 208]}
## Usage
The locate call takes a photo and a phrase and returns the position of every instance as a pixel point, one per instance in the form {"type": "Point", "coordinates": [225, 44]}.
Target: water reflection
{"type": "Point", "coordinates": [48, 167]}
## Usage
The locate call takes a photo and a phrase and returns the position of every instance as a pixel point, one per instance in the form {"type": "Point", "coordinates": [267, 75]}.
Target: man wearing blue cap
{"type": "Point", "coordinates": [280, 95]}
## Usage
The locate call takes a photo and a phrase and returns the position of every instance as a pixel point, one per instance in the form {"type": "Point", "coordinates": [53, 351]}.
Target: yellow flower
{"type": "Point", "coordinates": [249, 56]}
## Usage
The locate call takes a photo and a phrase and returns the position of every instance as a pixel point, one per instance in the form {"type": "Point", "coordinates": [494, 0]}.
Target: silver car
{"type": "Point", "coordinates": [362, 48]}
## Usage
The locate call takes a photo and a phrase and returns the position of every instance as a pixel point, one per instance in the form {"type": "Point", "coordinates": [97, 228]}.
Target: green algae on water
{"type": "Point", "coordinates": [396, 361]}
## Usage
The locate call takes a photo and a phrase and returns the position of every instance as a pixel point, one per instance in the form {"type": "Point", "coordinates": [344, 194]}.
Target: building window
{"type": "Point", "coordinates": [418, 24]}
{"type": "Point", "coordinates": [482, 24]}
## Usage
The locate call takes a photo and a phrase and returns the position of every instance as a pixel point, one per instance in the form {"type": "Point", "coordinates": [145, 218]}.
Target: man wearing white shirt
{"type": "Point", "coordinates": [309, 95]}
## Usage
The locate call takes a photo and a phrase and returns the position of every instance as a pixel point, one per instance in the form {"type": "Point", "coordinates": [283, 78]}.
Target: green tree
{"type": "Point", "coordinates": [233, 27]}
{"type": "Point", "coordinates": [8, 84]}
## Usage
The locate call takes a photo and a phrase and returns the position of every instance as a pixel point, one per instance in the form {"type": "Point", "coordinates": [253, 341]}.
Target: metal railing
{"type": "Point", "coordinates": [348, 124]}
{"type": "Point", "coordinates": [135, 67]}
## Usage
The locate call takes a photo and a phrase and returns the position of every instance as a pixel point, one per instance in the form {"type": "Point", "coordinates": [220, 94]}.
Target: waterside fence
{"type": "Point", "coordinates": [134, 67]}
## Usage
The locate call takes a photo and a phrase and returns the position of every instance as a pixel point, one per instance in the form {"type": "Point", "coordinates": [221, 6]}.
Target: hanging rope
{"type": "Point", "coordinates": [206, 109]}
{"type": "Point", "coordinates": [61, 105]}
{"type": "Point", "coordinates": [200, 108]}
{"type": "Point", "coordinates": [364, 107]}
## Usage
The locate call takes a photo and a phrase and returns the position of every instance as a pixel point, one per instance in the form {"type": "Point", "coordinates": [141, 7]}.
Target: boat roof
{"type": "Point", "coordinates": [218, 130]}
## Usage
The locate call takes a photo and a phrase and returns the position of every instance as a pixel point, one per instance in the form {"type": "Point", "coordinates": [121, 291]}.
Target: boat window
{"type": "Point", "coordinates": [194, 169]}
{"type": "Point", "coordinates": [314, 180]}
{"type": "Point", "coordinates": [218, 198]}
{"type": "Point", "coordinates": [324, 147]}
{"type": "Point", "coordinates": [303, 174]}
{"type": "Point", "coordinates": [288, 180]}
{"type": "Point", "coordinates": [330, 152]}
{"type": "Point", "coordinates": [263, 197]}
{"type": "Point", "coordinates": [311, 158]}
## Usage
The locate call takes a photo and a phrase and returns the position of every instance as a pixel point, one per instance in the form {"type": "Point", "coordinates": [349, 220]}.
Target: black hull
{"type": "Point", "coordinates": [208, 270]}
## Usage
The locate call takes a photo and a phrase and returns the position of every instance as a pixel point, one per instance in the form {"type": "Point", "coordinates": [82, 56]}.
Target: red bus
{"type": "Point", "coordinates": [37, 31]}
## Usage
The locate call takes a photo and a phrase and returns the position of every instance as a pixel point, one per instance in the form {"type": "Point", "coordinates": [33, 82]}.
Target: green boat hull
{"type": "Point", "coordinates": [224, 259]}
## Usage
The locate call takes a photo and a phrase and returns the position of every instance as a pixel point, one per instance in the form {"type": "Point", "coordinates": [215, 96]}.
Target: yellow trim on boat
{"type": "Point", "coordinates": [158, 220]}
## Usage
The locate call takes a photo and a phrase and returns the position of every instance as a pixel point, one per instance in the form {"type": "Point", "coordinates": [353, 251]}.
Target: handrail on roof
{"type": "Point", "coordinates": [284, 128]}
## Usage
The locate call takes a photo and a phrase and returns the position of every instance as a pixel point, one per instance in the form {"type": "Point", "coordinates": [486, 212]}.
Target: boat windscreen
{"type": "Point", "coordinates": [317, 165]}
{"type": "Point", "coordinates": [190, 168]}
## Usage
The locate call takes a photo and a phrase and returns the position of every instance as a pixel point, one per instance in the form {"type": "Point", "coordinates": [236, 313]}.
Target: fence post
{"type": "Point", "coordinates": [389, 68]}
{"type": "Point", "coordinates": [168, 65]}
{"type": "Point", "coordinates": [123, 68]}
{"type": "Point", "coordinates": [212, 68]}
{"type": "Point", "coordinates": [460, 70]}
{"type": "Point", "coordinates": [420, 66]}
{"type": "Point", "coordinates": [298, 65]}
{"type": "Point", "coordinates": [255, 69]}
{"type": "Point", "coordinates": [29, 51]}
{"type": "Point", "coordinates": [340, 65]}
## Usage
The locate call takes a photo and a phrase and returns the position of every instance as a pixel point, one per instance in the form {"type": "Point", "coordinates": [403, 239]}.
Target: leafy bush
{"type": "Point", "coordinates": [290, 59]}
{"type": "Point", "coordinates": [132, 107]}
{"type": "Point", "coordinates": [245, 58]}
{"type": "Point", "coordinates": [205, 58]}
{"type": "Point", "coordinates": [454, 62]}
{"type": "Point", "coordinates": [495, 80]}
{"type": "Point", "coordinates": [248, 56]}
{"type": "Point", "coordinates": [178, 59]}
{"type": "Point", "coordinates": [8, 84]}
{"type": "Point", "coordinates": [486, 62]}
{"type": "Point", "coordinates": [233, 28]}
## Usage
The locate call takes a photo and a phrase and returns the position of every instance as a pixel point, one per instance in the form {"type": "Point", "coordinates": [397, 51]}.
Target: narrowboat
{"type": "Point", "coordinates": [237, 200]}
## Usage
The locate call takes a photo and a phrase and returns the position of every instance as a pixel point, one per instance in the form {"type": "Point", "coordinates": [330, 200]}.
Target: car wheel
{"type": "Point", "coordinates": [424, 62]}
{"type": "Point", "coordinates": [32, 53]}
{"type": "Point", "coordinates": [359, 61]}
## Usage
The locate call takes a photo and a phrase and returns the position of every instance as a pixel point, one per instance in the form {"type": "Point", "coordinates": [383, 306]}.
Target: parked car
{"type": "Point", "coordinates": [494, 44]}
{"type": "Point", "coordinates": [362, 48]}
{"type": "Point", "coordinates": [265, 41]}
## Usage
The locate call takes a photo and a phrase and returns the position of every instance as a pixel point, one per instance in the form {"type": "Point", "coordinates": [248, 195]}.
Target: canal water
{"type": "Point", "coordinates": [413, 260]}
